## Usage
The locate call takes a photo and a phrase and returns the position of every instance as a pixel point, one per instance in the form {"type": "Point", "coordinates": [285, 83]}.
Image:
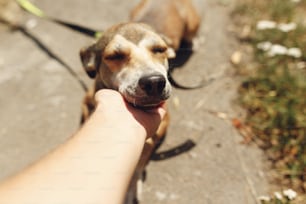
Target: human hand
{"type": "Point", "coordinates": [113, 106]}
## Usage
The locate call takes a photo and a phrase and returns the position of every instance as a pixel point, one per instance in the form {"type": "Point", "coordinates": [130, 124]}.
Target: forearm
{"type": "Point", "coordinates": [95, 164]}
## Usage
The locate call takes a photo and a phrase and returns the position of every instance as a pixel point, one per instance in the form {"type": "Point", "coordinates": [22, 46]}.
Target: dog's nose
{"type": "Point", "coordinates": [153, 85]}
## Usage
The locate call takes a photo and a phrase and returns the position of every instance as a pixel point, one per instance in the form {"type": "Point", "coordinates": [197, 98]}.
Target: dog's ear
{"type": "Point", "coordinates": [89, 60]}
{"type": "Point", "coordinates": [170, 51]}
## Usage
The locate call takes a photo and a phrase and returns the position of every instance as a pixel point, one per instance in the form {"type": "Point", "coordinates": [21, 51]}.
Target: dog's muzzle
{"type": "Point", "coordinates": [154, 87]}
{"type": "Point", "coordinates": [152, 91]}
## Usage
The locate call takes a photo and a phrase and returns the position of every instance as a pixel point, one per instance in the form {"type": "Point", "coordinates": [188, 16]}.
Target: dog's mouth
{"type": "Point", "coordinates": [146, 103]}
{"type": "Point", "coordinates": [149, 107]}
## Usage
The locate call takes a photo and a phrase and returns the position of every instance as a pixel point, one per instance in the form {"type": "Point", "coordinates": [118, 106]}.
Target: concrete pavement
{"type": "Point", "coordinates": [40, 105]}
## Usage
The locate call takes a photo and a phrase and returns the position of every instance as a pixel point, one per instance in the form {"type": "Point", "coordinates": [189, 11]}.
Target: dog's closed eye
{"type": "Point", "coordinates": [115, 56]}
{"type": "Point", "coordinates": [158, 49]}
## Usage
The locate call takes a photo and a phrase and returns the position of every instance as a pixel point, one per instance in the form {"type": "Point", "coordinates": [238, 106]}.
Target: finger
{"type": "Point", "coordinates": [107, 96]}
{"type": "Point", "coordinates": [107, 93]}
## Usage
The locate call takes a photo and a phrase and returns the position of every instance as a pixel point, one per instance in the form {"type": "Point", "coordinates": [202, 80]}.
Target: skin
{"type": "Point", "coordinates": [95, 165]}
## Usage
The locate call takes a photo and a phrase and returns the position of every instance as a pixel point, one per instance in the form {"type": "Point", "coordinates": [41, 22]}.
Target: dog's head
{"type": "Point", "coordinates": [132, 59]}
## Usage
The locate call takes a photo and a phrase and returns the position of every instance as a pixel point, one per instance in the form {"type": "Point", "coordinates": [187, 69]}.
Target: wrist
{"type": "Point", "coordinates": [123, 124]}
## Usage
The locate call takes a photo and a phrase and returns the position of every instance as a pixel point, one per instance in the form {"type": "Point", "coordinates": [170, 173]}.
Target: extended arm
{"type": "Point", "coordinates": [95, 165]}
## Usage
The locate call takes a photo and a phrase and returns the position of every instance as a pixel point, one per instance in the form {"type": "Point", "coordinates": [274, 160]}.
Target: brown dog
{"type": "Point", "coordinates": [133, 59]}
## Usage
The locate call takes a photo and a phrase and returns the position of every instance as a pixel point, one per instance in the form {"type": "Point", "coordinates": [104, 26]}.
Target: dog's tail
{"type": "Point", "coordinates": [184, 147]}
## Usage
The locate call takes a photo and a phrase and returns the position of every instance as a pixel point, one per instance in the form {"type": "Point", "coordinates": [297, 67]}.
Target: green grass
{"type": "Point", "coordinates": [274, 95]}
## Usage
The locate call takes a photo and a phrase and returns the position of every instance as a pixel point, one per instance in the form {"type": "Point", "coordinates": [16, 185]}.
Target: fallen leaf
{"type": "Point", "coordinates": [236, 123]}
{"type": "Point", "coordinates": [176, 102]}
{"type": "Point", "coordinates": [236, 57]}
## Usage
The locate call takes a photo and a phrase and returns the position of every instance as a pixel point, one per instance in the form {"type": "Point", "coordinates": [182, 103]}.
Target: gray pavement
{"type": "Point", "coordinates": [40, 105]}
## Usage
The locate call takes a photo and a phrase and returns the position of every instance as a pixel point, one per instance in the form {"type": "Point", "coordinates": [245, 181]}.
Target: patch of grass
{"type": "Point", "coordinates": [275, 100]}
{"type": "Point", "coordinates": [274, 95]}
{"type": "Point", "coordinates": [281, 9]}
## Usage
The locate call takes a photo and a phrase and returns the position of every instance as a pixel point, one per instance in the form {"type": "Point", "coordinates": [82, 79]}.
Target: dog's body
{"type": "Point", "coordinates": [133, 59]}
{"type": "Point", "coordinates": [177, 20]}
